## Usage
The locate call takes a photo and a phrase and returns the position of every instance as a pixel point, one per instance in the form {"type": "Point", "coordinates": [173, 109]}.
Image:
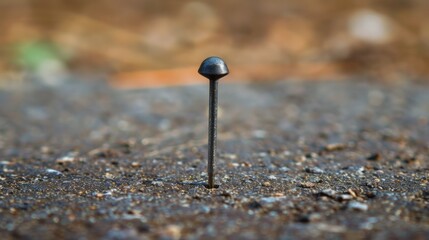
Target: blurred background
{"type": "Point", "coordinates": [143, 43]}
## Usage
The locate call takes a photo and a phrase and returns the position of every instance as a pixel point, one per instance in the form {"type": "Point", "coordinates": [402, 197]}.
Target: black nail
{"type": "Point", "coordinates": [212, 68]}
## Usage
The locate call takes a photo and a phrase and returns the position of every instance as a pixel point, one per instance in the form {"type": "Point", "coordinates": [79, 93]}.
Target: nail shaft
{"type": "Point", "coordinates": [212, 135]}
{"type": "Point", "coordinates": [213, 68]}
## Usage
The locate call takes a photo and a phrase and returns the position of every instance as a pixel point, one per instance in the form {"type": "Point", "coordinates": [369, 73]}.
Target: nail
{"type": "Point", "coordinates": [212, 68]}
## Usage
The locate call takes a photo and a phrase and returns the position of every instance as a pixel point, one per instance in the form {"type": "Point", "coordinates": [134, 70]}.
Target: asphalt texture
{"type": "Point", "coordinates": [296, 160]}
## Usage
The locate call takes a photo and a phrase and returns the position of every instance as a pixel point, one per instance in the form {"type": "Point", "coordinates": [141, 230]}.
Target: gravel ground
{"type": "Point", "coordinates": [297, 160]}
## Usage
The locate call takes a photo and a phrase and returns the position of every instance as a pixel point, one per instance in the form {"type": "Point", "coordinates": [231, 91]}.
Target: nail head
{"type": "Point", "coordinates": [213, 68]}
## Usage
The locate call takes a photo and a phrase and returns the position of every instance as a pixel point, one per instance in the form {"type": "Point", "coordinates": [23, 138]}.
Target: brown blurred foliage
{"type": "Point", "coordinates": [386, 39]}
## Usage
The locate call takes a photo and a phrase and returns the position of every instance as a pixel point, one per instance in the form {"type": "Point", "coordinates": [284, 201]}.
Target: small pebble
{"type": "Point", "coordinates": [262, 154]}
{"type": "Point", "coordinates": [329, 193]}
{"type": "Point", "coordinates": [246, 164]}
{"type": "Point", "coordinates": [369, 223]}
{"type": "Point", "coordinates": [259, 134]}
{"type": "Point", "coordinates": [229, 156]}
{"type": "Point", "coordinates": [235, 164]}
{"type": "Point", "coordinates": [254, 205]}
{"type": "Point", "coordinates": [314, 170]}
{"type": "Point", "coordinates": [312, 155]}
{"type": "Point", "coordinates": [135, 164]}
{"type": "Point", "coordinates": [69, 157]}
{"type": "Point", "coordinates": [371, 194]}
{"type": "Point", "coordinates": [374, 157]}
{"type": "Point", "coordinates": [226, 194]}
{"type": "Point", "coordinates": [286, 153]}
{"type": "Point", "coordinates": [352, 192]}
{"type": "Point", "coordinates": [345, 197]}
{"type": "Point", "coordinates": [334, 147]}
{"type": "Point", "coordinates": [313, 217]}
{"type": "Point", "coordinates": [109, 176]}
{"type": "Point", "coordinates": [314, 179]}
{"type": "Point", "coordinates": [272, 199]}
{"type": "Point", "coordinates": [307, 185]}
{"type": "Point", "coordinates": [357, 206]}
{"type": "Point", "coordinates": [158, 183]}
{"type": "Point", "coordinates": [360, 170]}
{"type": "Point", "coordinates": [266, 184]}
{"type": "Point", "coordinates": [45, 150]}
{"type": "Point", "coordinates": [53, 172]}
{"type": "Point", "coordinates": [284, 169]}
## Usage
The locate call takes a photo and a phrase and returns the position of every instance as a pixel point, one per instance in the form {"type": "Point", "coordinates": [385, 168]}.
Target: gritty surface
{"type": "Point", "coordinates": [296, 160]}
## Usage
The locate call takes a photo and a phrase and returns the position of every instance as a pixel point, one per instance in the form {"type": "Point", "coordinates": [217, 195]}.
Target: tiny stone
{"type": "Point", "coordinates": [313, 217]}
{"type": "Point", "coordinates": [254, 205]}
{"type": "Point", "coordinates": [272, 177]}
{"type": "Point", "coordinates": [70, 157]}
{"type": "Point", "coordinates": [372, 194]}
{"type": "Point", "coordinates": [262, 154]}
{"type": "Point", "coordinates": [314, 170]}
{"type": "Point", "coordinates": [172, 232]}
{"type": "Point", "coordinates": [351, 192]}
{"type": "Point", "coordinates": [135, 164]}
{"type": "Point", "coordinates": [284, 169]}
{"type": "Point", "coordinates": [230, 156]}
{"type": "Point", "coordinates": [259, 134]}
{"type": "Point", "coordinates": [109, 176]}
{"type": "Point", "coordinates": [225, 194]}
{"type": "Point", "coordinates": [357, 206]}
{"type": "Point", "coordinates": [205, 209]}
{"type": "Point", "coordinates": [235, 164]}
{"type": "Point", "coordinates": [307, 185]}
{"type": "Point", "coordinates": [247, 164]}
{"type": "Point", "coordinates": [334, 147]}
{"type": "Point", "coordinates": [314, 179]}
{"type": "Point", "coordinates": [158, 183]}
{"type": "Point", "coordinates": [329, 193]}
{"type": "Point", "coordinates": [45, 150]}
{"type": "Point", "coordinates": [369, 223]}
{"type": "Point", "coordinates": [266, 184]}
{"type": "Point", "coordinates": [345, 197]}
{"type": "Point", "coordinates": [312, 155]}
{"type": "Point", "coordinates": [374, 157]}
{"type": "Point", "coordinates": [53, 172]}
{"type": "Point", "coordinates": [13, 210]}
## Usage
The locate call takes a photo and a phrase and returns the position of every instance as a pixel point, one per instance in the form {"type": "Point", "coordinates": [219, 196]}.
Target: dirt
{"type": "Point", "coordinates": [297, 160]}
{"type": "Point", "coordinates": [384, 39]}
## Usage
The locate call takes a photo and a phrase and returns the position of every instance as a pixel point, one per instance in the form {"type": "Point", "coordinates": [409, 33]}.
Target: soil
{"type": "Point", "coordinates": [296, 160]}
{"type": "Point", "coordinates": [383, 39]}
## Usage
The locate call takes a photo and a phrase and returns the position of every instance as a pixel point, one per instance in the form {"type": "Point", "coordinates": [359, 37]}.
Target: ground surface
{"type": "Point", "coordinates": [296, 160]}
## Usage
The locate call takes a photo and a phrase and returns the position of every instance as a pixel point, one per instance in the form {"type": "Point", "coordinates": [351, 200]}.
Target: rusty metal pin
{"type": "Point", "coordinates": [212, 68]}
